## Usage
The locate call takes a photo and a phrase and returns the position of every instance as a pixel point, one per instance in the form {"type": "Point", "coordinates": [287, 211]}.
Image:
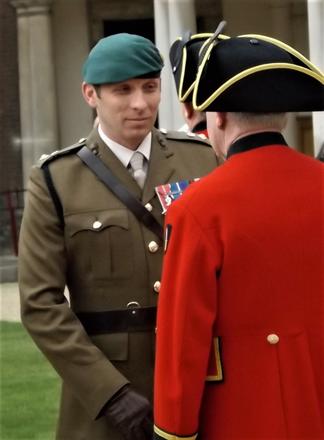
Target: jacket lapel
{"type": "Point", "coordinates": [159, 171]}
{"type": "Point", "coordinates": [160, 167]}
{"type": "Point", "coordinates": [96, 145]}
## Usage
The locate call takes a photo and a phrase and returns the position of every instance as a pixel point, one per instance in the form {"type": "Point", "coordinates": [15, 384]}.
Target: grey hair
{"type": "Point", "coordinates": [270, 120]}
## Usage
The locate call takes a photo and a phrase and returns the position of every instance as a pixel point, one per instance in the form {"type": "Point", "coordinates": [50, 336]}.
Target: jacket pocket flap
{"type": "Point", "coordinates": [96, 221]}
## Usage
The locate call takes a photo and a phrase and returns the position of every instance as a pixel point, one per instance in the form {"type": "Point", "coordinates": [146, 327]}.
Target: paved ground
{"type": "Point", "coordinates": [9, 302]}
{"type": "Point", "coordinates": [8, 268]}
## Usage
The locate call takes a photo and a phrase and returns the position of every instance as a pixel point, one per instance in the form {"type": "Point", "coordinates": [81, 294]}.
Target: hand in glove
{"type": "Point", "coordinates": [131, 414]}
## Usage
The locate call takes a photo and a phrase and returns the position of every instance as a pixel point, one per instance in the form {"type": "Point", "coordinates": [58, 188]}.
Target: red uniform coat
{"type": "Point", "coordinates": [240, 332]}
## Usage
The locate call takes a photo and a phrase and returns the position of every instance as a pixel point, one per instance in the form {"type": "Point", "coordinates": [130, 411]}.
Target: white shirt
{"type": "Point", "coordinates": [124, 154]}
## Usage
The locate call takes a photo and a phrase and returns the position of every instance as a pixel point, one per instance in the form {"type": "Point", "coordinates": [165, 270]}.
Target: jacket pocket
{"type": "Point", "coordinates": [99, 245]}
{"type": "Point", "coordinates": [113, 345]}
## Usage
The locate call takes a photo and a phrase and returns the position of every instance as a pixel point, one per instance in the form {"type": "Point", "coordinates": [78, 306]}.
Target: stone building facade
{"type": "Point", "coordinates": [10, 148]}
{"type": "Point", "coordinates": [44, 43]}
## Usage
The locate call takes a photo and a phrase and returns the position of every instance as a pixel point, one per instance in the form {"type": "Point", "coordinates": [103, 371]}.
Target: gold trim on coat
{"type": "Point", "coordinates": [168, 436]}
{"type": "Point", "coordinates": [219, 370]}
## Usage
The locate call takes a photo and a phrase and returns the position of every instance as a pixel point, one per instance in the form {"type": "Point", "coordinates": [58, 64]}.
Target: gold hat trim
{"type": "Point", "coordinates": [183, 96]}
{"type": "Point", "coordinates": [286, 47]}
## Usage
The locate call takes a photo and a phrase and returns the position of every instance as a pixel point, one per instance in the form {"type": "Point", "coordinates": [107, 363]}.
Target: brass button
{"type": "Point", "coordinates": [157, 286]}
{"type": "Point", "coordinates": [149, 207]}
{"type": "Point", "coordinates": [273, 339]}
{"type": "Point", "coordinates": [97, 224]}
{"type": "Point", "coordinates": [153, 246]}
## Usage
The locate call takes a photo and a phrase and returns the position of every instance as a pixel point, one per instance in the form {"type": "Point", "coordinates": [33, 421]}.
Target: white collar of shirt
{"type": "Point", "coordinates": [124, 154]}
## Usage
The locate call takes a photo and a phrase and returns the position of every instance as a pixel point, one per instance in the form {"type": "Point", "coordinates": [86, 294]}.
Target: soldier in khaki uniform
{"type": "Point", "coordinates": [77, 233]}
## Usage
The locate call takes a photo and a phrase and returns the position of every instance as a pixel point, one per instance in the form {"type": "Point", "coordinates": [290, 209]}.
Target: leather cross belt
{"type": "Point", "coordinates": [137, 319]}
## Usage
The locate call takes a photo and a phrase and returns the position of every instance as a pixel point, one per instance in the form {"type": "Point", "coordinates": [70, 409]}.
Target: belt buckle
{"type": "Point", "coordinates": [133, 305]}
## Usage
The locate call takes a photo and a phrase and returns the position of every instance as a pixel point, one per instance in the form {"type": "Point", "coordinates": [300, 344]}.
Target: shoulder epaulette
{"type": "Point", "coordinates": [46, 158]}
{"type": "Point", "coordinates": [183, 136]}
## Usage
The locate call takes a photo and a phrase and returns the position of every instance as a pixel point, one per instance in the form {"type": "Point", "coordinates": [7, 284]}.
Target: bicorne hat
{"type": "Point", "coordinates": [256, 73]}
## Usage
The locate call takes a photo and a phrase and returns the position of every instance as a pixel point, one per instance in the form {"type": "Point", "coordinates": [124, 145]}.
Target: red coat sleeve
{"type": "Point", "coordinates": [186, 313]}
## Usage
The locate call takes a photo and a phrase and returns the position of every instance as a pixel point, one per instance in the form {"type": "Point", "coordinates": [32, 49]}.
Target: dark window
{"type": "Point", "coordinates": [143, 27]}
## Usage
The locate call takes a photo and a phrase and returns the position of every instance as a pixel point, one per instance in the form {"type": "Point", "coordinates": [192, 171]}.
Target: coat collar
{"type": "Point", "coordinates": [159, 171]}
{"type": "Point", "coordinates": [98, 147]}
{"type": "Point", "coordinates": [256, 140]}
{"type": "Point", "coordinates": [160, 167]}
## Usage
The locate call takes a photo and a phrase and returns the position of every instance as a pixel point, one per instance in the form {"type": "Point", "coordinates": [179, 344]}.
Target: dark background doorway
{"type": "Point", "coordinates": [142, 26]}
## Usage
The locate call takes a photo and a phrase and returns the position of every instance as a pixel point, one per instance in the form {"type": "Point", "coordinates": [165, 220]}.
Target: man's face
{"type": "Point", "coordinates": [127, 110]}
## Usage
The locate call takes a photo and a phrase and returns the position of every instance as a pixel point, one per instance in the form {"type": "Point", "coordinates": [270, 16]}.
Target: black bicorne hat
{"type": "Point", "coordinates": [255, 73]}
{"type": "Point", "coordinates": [184, 57]}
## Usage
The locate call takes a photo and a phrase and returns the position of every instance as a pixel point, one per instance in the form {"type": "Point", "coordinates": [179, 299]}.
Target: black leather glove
{"type": "Point", "coordinates": [131, 414]}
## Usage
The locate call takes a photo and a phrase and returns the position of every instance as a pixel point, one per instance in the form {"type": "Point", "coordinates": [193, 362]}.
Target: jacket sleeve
{"type": "Point", "coordinates": [45, 312]}
{"type": "Point", "coordinates": [186, 313]}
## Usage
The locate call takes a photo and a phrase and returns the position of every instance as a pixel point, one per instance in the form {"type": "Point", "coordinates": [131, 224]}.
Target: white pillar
{"type": "Point", "coordinates": [36, 80]}
{"type": "Point", "coordinates": [171, 18]}
{"type": "Point", "coordinates": [316, 49]}
{"type": "Point", "coordinates": [161, 24]}
{"type": "Point", "coordinates": [182, 17]}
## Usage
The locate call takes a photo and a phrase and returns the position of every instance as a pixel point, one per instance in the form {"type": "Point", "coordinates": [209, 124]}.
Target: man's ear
{"type": "Point", "coordinates": [220, 119]}
{"type": "Point", "coordinates": [89, 94]}
{"type": "Point", "coordinates": [187, 110]}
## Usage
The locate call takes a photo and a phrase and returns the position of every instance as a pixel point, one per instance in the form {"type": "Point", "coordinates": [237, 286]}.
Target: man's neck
{"type": "Point", "coordinates": [126, 143]}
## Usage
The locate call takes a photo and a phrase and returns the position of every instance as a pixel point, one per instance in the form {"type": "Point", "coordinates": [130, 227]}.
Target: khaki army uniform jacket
{"type": "Point", "coordinates": [107, 259]}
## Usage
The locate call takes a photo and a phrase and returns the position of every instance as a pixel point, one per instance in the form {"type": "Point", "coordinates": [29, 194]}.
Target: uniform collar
{"type": "Point", "coordinates": [124, 154]}
{"type": "Point", "coordinates": [256, 140]}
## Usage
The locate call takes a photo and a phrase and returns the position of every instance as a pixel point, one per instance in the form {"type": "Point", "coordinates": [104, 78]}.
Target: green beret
{"type": "Point", "coordinates": [121, 57]}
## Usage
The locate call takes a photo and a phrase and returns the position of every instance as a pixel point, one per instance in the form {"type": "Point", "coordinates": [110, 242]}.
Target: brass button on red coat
{"type": "Point", "coordinates": [153, 246]}
{"type": "Point", "coordinates": [157, 286]}
{"type": "Point", "coordinates": [273, 339]}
